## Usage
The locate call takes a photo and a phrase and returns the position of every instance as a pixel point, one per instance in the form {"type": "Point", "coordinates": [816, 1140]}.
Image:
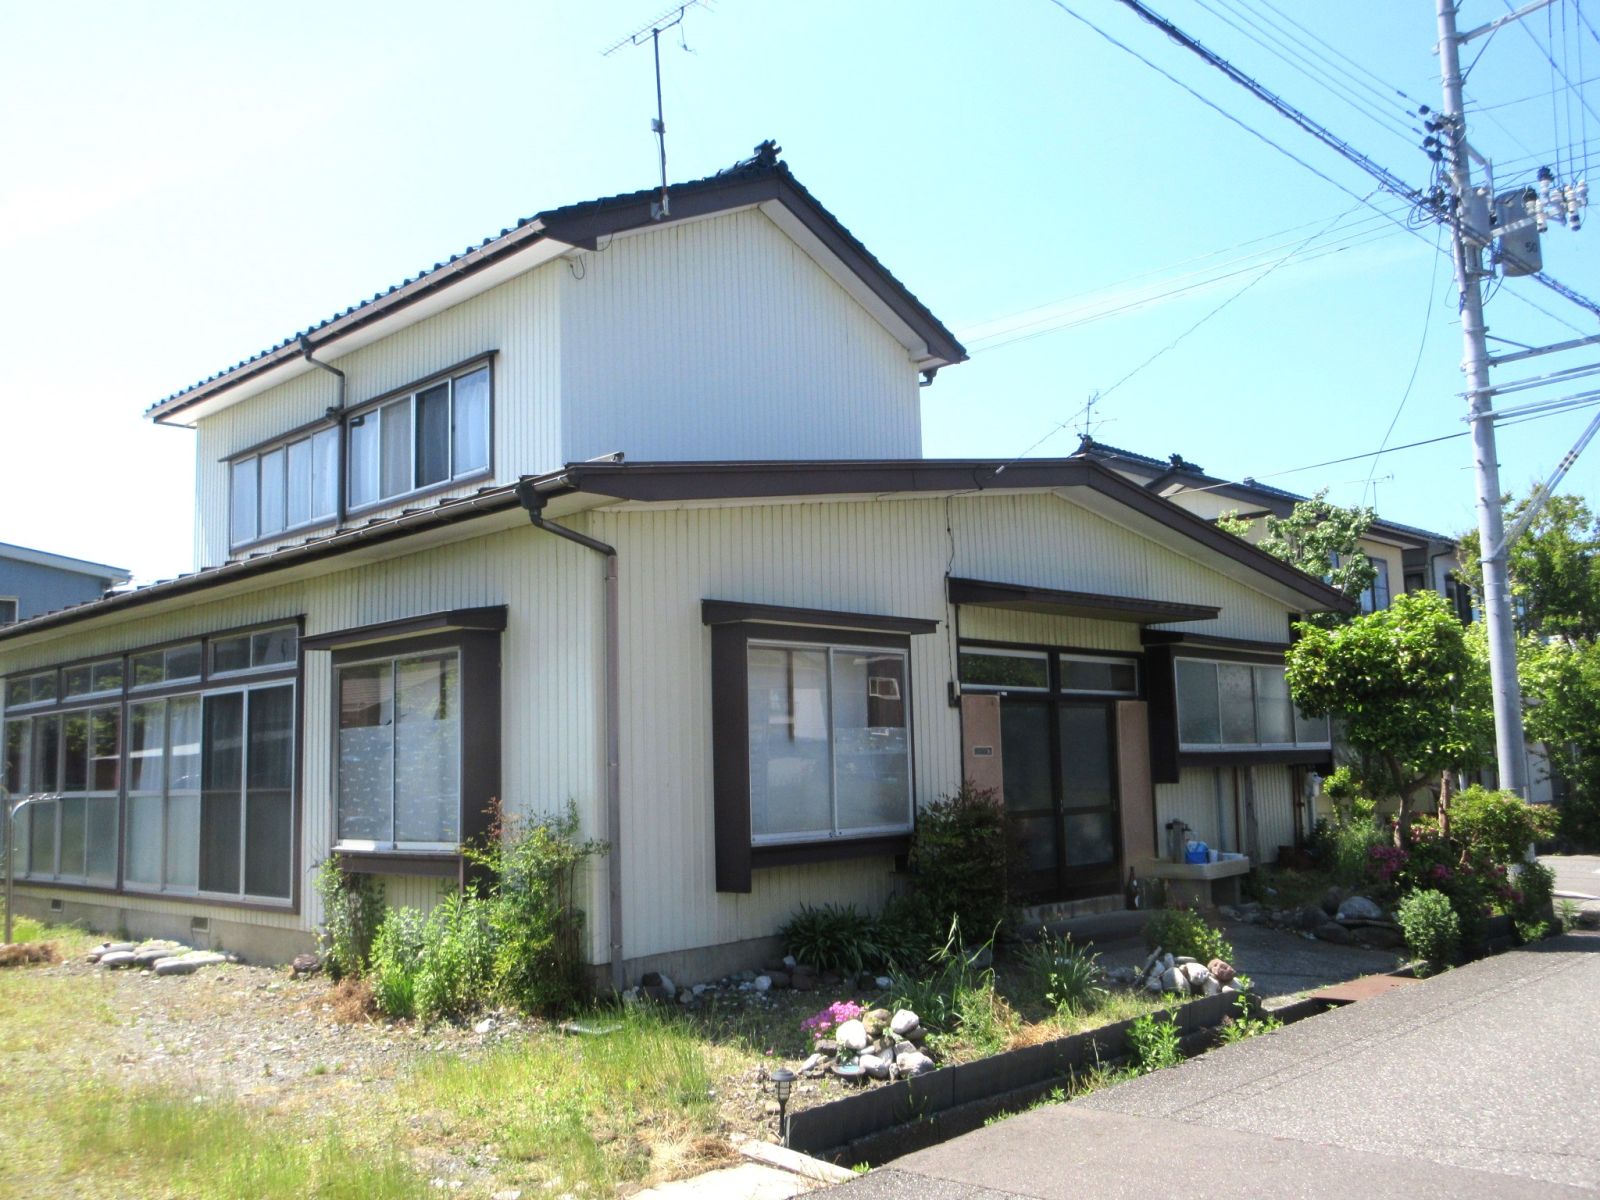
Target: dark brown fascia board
{"type": "Point", "coordinates": [1099, 605]}
{"type": "Point", "coordinates": [450, 512]}
{"type": "Point", "coordinates": [1175, 637]}
{"type": "Point", "coordinates": [491, 619]}
{"type": "Point", "coordinates": [680, 481]}
{"type": "Point", "coordinates": [734, 612]}
{"type": "Point", "coordinates": [585, 228]}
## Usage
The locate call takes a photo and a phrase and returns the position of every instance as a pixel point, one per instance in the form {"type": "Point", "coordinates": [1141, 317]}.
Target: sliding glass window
{"type": "Point", "coordinates": [424, 439]}
{"type": "Point", "coordinates": [288, 487]}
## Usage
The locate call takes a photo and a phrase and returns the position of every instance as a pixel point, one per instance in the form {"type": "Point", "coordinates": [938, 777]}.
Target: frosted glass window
{"type": "Point", "coordinates": [1107, 675]}
{"type": "Point", "coordinates": [1274, 719]}
{"type": "Point", "coordinates": [1199, 720]}
{"type": "Point", "coordinates": [183, 842]}
{"type": "Point", "coordinates": [1237, 701]}
{"type": "Point", "coordinates": [1310, 731]}
{"type": "Point", "coordinates": [366, 753]}
{"type": "Point", "coordinates": [100, 852]}
{"type": "Point", "coordinates": [427, 750]}
{"type": "Point", "coordinates": [73, 825]}
{"type": "Point", "coordinates": [144, 840]}
{"type": "Point", "coordinates": [299, 483]}
{"type": "Point", "coordinates": [42, 837]}
{"type": "Point", "coordinates": [325, 473]}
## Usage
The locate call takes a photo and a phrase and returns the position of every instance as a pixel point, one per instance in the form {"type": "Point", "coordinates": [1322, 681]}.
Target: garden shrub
{"type": "Point", "coordinates": [1154, 1044]}
{"type": "Point", "coordinates": [536, 927]}
{"type": "Point", "coordinates": [1499, 825]}
{"type": "Point", "coordinates": [396, 959]}
{"type": "Point", "coordinates": [1346, 847]}
{"type": "Point", "coordinates": [958, 862]}
{"type": "Point", "coordinates": [833, 937]}
{"type": "Point", "coordinates": [1184, 933]}
{"type": "Point", "coordinates": [352, 909]}
{"type": "Point", "coordinates": [1431, 926]}
{"type": "Point", "coordinates": [1534, 908]}
{"type": "Point", "coordinates": [458, 958]}
{"type": "Point", "coordinates": [1068, 977]}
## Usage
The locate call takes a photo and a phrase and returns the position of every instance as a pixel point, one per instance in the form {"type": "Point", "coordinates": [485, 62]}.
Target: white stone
{"type": "Point", "coordinates": [814, 1061]}
{"type": "Point", "coordinates": [1196, 975]}
{"type": "Point", "coordinates": [118, 958]}
{"type": "Point", "coordinates": [699, 989]}
{"type": "Point", "coordinates": [789, 961]}
{"type": "Point", "coordinates": [1212, 987]}
{"type": "Point", "coordinates": [763, 983]}
{"type": "Point", "coordinates": [1168, 962]}
{"type": "Point", "coordinates": [904, 1022]}
{"type": "Point", "coordinates": [1172, 980]}
{"type": "Point", "coordinates": [914, 1063]}
{"type": "Point", "coordinates": [1183, 960]}
{"type": "Point", "coordinates": [874, 1065]}
{"type": "Point", "coordinates": [852, 1035]}
{"type": "Point", "coordinates": [484, 1026]}
{"type": "Point", "coordinates": [883, 981]}
{"type": "Point", "coordinates": [189, 963]}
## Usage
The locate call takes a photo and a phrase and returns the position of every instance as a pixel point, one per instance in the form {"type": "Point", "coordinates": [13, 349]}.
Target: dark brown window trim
{"type": "Point", "coordinates": [1094, 605]}
{"type": "Point", "coordinates": [1224, 758]}
{"type": "Point", "coordinates": [487, 619]}
{"type": "Point", "coordinates": [735, 855]}
{"type": "Point", "coordinates": [401, 499]}
{"type": "Point", "coordinates": [441, 864]}
{"type": "Point", "coordinates": [730, 612]}
{"type": "Point", "coordinates": [481, 661]}
{"type": "Point", "coordinates": [1209, 642]}
{"type": "Point", "coordinates": [486, 358]}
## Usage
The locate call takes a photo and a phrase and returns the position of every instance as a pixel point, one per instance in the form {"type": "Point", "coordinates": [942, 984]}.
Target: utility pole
{"type": "Point", "coordinates": [1469, 239]}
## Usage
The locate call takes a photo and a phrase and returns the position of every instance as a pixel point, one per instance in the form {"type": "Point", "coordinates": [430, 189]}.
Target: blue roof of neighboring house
{"type": "Point", "coordinates": [61, 562]}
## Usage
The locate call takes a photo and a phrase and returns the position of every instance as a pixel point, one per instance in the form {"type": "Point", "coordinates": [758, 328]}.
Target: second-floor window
{"type": "Point", "coordinates": [287, 487]}
{"type": "Point", "coordinates": [426, 438]}
{"type": "Point", "coordinates": [1376, 597]}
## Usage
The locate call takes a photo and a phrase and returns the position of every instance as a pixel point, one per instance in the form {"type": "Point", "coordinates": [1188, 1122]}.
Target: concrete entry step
{"type": "Point", "coordinates": [1364, 988]}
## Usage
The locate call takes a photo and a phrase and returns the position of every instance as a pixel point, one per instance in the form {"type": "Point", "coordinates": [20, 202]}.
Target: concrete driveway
{"type": "Point", "coordinates": [1482, 1082]}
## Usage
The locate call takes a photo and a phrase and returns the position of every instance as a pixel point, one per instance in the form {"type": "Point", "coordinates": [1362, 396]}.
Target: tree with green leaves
{"type": "Point", "coordinates": [1411, 685]}
{"type": "Point", "coordinates": [1554, 568]}
{"type": "Point", "coordinates": [1323, 540]}
{"type": "Point", "coordinates": [1561, 690]}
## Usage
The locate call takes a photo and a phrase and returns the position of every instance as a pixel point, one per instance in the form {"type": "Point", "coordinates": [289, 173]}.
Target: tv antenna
{"type": "Point", "coordinates": [653, 30]}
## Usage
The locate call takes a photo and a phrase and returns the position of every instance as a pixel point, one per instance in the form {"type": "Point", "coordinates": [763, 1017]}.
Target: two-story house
{"type": "Point", "coordinates": [631, 511]}
{"type": "Point", "coordinates": [1407, 559]}
{"type": "Point", "coordinates": [35, 581]}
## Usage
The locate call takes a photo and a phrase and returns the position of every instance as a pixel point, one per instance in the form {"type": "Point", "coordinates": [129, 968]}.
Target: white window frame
{"type": "Point", "coordinates": [835, 833]}
{"type": "Point", "coordinates": [409, 397]}
{"type": "Point", "coordinates": [369, 845]}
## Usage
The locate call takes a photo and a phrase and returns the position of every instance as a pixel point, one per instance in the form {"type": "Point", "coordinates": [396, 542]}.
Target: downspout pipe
{"type": "Point", "coordinates": [336, 411]}
{"type": "Point", "coordinates": [534, 501]}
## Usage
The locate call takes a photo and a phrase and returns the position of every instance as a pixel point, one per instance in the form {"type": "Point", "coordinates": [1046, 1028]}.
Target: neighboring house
{"type": "Point", "coordinates": [35, 581]}
{"type": "Point", "coordinates": [1406, 558]}
{"type": "Point", "coordinates": [749, 651]}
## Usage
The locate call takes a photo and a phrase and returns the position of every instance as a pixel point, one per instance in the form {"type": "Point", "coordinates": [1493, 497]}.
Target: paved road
{"type": "Point", "coordinates": [1578, 875]}
{"type": "Point", "coordinates": [1482, 1082]}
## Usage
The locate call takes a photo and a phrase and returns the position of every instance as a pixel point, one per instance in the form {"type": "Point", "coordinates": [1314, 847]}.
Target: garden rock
{"type": "Point", "coordinates": [812, 1063]}
{"type": "Point", "coordinates": [189, 963]}
{"type": "Point", "coordinates": [1183, 961]}
{"type": "Point", "coordinates": [148, 956]}
{"type": "Point", "coordinates": [118, 958]}
{"type": "Point", "coordinates": [1221, 971]}
{"type": "Point", "coordinates": [1194, 976]}
{"type": "Point", "coordinates": [904, 1022]}
{"type": "Point", "coordinates": [852, 1035]}
{"type": "Point", "coordinates": [779, 979]}
{"type": "Point", "coordinates": [1172, 980]}
{"type": "Point", "coordinates": [1359, 908]}
{"type": "Point", "coordinates": [876, 1021]}
{"type": "Point", "coordinates": [484, 1026]}
{"type": "Point", "coordinates": [763, 983]}
{"type": "Point", "coordinates": [1212, 987]}
{"type": "Point", "coordinates": [1332, 899]}
{"type": "Point", "coordinates": [803, 983]}
{"type": "Point", "coordinates": [305, 964]}
{"type": "Point", "coordinates": [875, 1066]}
{"type": "Point", "coordinates": [1332, 931]}
{"type": "Point", "coordinates": [100, 951]}
{"type": "Point", "coordinates": [1311, 918]}
{"type": "Point", "coordinates": [915, 1062]}
{"type": "Point", "coordinates": [883, 981]}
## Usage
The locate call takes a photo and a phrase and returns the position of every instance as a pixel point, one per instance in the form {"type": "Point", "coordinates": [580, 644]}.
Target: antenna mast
{"type": "Point", "coordinates": [658, 125]}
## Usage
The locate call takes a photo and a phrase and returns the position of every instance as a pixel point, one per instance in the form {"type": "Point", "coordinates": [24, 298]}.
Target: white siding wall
{"type": "Point", "coordinates": [518, 319]}
{"type": "Point", "coordinates": [722, 339]}
{"type": "Point", "coordinates": [858, 556]}
{"type": "Point", "coordinates": [550, 743]}
{"type": "Point", "coordinates": [1193, 800]}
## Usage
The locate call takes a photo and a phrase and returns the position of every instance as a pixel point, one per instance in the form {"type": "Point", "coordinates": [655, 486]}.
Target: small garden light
{"type": "Point", "coordinates": [782, 1085]}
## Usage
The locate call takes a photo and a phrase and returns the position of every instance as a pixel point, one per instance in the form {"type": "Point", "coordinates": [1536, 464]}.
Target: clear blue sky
{"type": "Point", "coordinates": [187, 183]}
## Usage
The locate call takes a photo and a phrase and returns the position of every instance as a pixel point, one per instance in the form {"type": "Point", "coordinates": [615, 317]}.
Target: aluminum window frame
{"type": "Point", "coordinates": [1221, 747]}
{"type": "Point", "coordinates": [306, 435]}
{"type": "Point", "coordinates": [393, 659]}
{"type": "Point", "coordinates": [835, 833]}
{"type": "Point", "coordinates": [209, 655]}
{"type": "Point", "coordinates": [16, 609]}
{"type": "Point", "coordinates": [409, 394]}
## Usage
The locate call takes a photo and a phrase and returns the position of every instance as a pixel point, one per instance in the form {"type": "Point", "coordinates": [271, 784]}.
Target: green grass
{"type": "Point", "coordinates": [103, 1140]}
{"type": "Point", "coordinates": [599, 1111]}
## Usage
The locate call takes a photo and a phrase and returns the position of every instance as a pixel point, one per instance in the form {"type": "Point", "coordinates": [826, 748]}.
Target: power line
{"type": "Point", "coordinates": [1422, 344]}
